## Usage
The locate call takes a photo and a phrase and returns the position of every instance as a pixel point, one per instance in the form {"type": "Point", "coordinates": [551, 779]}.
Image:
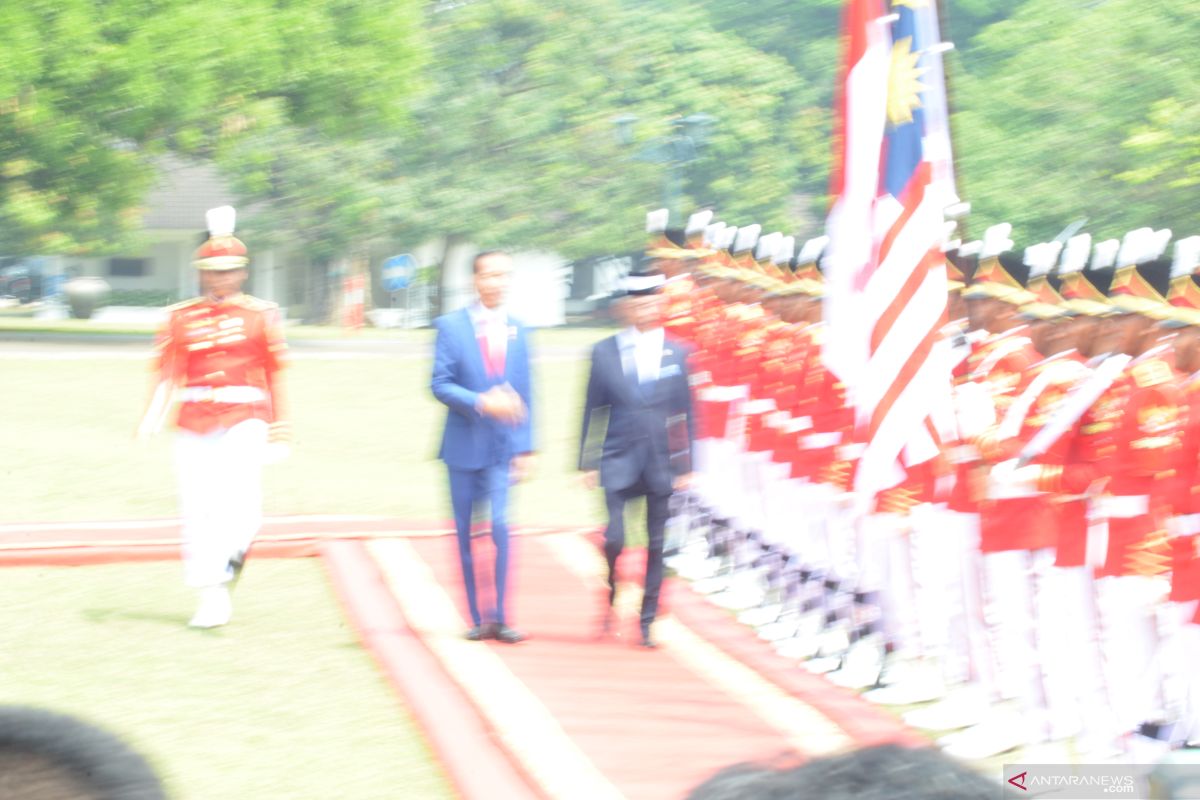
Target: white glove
{"type": "Point", "coordinates": [1006, 480]}
{"type": "Point", "coordinates": [1184, 525]}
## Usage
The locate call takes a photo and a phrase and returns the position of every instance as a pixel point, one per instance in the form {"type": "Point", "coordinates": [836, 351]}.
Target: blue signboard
{"type": "Point", "coordinates": [398, 272]}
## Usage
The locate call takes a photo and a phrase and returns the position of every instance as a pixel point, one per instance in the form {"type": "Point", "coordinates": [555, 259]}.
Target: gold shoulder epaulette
{"type": "Point", "coordinates": [1151, 373]}
{"type": "Point", "coordinates": [184, 304]}
{"type": "Point", "coordinates": [253, 303]}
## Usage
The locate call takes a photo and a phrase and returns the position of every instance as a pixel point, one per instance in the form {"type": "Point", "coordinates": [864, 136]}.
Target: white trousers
{"type": "Point", "coordinates": [1069, 646]}
{"type": "Point", "coordinates": [755, 477]}
{"type": "Point", "coordinates": [779, 522]}
{"type": "Point", "coordinates": [1129, 643]}
{"type": "Point", "coordinates": [220, 495]}
{"type": "Point", "coordinates": [721, 482]}
{"type": "Point", "coordinates": [934, 554]}
{"type": "Point", "coordinates": [1181, 654]}
{"type": "Point", "coordinates": [704, 466]}
{"type": "Point", "coordinates": [950, 550]}
{"type": "Point", "coordinates": [885, 567]}
{"type": "Point", "coordinates": [1014, 589]}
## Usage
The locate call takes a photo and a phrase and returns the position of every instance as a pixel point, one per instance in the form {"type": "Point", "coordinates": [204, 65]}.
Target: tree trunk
{"type": "Point", "coordinates": [318, 293]}
{"type": "Point", "coordinates": [451, 241]}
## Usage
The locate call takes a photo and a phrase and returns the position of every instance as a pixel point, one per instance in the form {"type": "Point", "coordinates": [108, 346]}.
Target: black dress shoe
{"type": "Point", "coordinates": [503, 633]}
{"type": "Point", "coordinates": [476, 633]}
{"type": "Point", "coordinates": [236, 563]}
{"type": "Point", "coordinates": [646, 641]}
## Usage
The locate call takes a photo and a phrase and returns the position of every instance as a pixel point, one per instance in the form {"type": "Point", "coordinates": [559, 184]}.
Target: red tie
{"type": "Point", "coordinates": [492, 349]}
{"type": "Point", "coordinates": [498, 345]}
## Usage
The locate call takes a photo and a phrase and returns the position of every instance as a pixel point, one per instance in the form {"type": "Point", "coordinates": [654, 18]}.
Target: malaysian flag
{"type": "Point", "coordinates": [892, 183]}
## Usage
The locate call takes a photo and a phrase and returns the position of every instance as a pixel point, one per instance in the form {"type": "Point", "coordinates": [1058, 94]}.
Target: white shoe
{"type": "Point", "coordinates": [694, 565]}
{"type": "Point", "coordinates": [743, 593]}
{"type": "Point", "coordinates": [805, 640]}
{"type": "Point", "coordinates": [760, 615]}
{"type": "Point", "coordinates": [779, 630]}
{"type": "Point", "coordinates": [823, 665]}
{"type": "Point", "coordinates": [1000, 733]}
{"type": "Point", "coordinates": [962, 709]}
{"type": "Point", "coordinates": [712, 584]}
{"type": "Point", "coordinates": [215, 608]}
{"type": "Point", "coordinates": [1052, 752]}
{"type": "Point", "coordinates": [861, 667]}
{"type": "Point", "coordinates": [1144, 750]}
{"type": "Point", "coordinates": [800, 648]}
{"type": "Point", "coordinates": [1098, 748]}
{"type": "Point", "coordinates": [898, 669]}
{"type": "Point", "coordinates": [833, 642]}
{"type": "Point", "coordinates": [908, 692]}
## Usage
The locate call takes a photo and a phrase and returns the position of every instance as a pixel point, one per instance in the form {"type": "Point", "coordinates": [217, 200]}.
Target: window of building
{"type": "Point", "coordinates": [128, 267]}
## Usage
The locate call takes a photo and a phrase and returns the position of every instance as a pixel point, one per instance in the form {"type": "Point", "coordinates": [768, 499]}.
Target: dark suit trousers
{"type": "Point", "coordinates": [657, 511]}
{"type": "Point", "coordinates": [469, 488]}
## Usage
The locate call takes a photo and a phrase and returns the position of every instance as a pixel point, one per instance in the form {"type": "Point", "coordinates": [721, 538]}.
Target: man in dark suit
{"type": "Point", "coordinates": [639, 401]}
{"type": "Point", "coordinates": [481, 373]}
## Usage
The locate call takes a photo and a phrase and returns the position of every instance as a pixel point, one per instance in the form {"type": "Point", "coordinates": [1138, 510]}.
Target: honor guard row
{"type": "Point", "coordinates": [1036, 582]}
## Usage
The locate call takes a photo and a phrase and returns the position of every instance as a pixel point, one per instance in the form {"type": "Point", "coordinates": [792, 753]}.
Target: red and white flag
{"type": "Point", "coordinates": [886, 285]}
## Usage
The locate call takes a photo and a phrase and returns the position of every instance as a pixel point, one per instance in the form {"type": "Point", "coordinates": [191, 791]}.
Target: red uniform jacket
{"type": "Point", "coordinates": [216, 345]}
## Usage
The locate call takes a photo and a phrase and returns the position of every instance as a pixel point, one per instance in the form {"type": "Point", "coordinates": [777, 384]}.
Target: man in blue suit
{"type": "Point", "coordinates": [639, 401]}
{"type": "Point", "coordinates": [481, 372]}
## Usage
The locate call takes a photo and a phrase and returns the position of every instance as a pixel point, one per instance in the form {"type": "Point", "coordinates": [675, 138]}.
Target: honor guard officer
{"type": "Point", "coordinates": [219, 358]}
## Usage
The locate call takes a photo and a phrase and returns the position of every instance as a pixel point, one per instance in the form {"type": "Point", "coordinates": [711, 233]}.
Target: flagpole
{"type": "Point", "coordinates": [943, 25]}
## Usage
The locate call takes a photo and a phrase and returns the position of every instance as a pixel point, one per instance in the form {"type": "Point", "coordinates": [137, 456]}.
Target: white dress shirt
{"type": "Point", "coordinates": [645, 348]}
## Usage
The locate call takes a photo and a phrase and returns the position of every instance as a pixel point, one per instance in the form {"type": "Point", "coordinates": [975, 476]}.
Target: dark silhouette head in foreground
{"type": "Point", "coordinates": [49, 756]}
{"type": "Point", "coordinates": [883, 772]}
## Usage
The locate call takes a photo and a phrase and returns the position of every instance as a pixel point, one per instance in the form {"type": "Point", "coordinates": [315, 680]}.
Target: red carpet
{"type": "Point", "coordinates": [565, 714]}
{"type": "Point", "coordinates": [650, 721]}
{"type": "Point", "coordinates": [83, 543]}
{"type": "Point", "coordinates": [478, 767]}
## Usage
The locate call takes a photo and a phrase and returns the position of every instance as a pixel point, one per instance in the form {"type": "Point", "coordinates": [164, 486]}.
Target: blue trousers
{"type": "Point", "coordinates": [468, 490]}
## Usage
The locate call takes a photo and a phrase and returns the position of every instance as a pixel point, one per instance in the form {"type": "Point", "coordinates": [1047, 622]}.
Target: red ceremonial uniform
{"type": "Point", "coordinates": [225, 354]}
{"type": "Point", "coordinates": [1129, 439]}
{"type": "Point", "coordinates": [679, 318]}
{"type": "Point", "coordinates": [963, 454]}
{"type": "Point", "coordinates": [1023, 523]}
{"type": "Point", "coordinates": [1052, 380]}
{"type": "Point", "coordinates": [1185, 560]}
{"type": "Point", "coordinates": [821, 399]}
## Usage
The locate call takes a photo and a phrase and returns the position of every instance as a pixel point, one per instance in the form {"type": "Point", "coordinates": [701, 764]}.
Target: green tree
{"type": "Point", "coordinates": [1167, 151]}
{"type": "Point", "coordinates": [324, 199]}
{"type": "Point", "coordinates": [1073, 110]}
{"type": "Point", "coordinates": [92, 90]}
{"type": "Point", "coordinates": [517, 144]}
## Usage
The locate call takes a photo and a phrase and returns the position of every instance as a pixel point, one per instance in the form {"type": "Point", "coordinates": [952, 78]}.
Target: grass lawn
{"type": "Point", "coordinates": [283, 703]}
{"type": "Point", "coordinates": [367, 436]}
{"type": "Point", "coordinates": [280, 704]}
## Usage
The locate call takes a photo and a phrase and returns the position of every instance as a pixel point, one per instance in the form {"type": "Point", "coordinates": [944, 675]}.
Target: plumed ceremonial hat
{"type": "Point", "coordinates": [1142, 278]}
{"type": "Point", "coordinates": [642, 282]}
{"type": "Point", "coordinates": [221, 250]}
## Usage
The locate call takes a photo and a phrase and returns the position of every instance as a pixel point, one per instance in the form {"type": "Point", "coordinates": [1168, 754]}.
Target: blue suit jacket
{"type": "Point", "coordinates": [648, 431]}
{"type": "Point", "coordinates": [470, 440]}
